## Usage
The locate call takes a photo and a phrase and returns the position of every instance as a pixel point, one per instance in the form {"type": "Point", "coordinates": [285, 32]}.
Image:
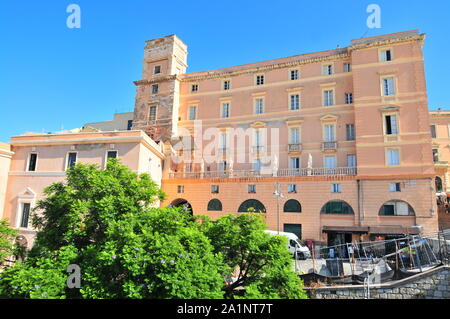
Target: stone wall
{"type": "Point", "coordinates": [433, 284]}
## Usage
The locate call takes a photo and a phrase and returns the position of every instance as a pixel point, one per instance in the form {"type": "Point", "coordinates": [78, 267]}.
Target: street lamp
{"type": "Point", "coordinates": [278, 195]}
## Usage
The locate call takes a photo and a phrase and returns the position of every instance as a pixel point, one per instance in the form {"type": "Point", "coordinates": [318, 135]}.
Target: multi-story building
{"type": "Point", "coordinates": [344, 134]}
{"type": "Point", "coordinates": [334, 146]}
{"type": "Point", "coordinates": [39, 160]}
{"type": "Point", "coordinates": [440, 132]}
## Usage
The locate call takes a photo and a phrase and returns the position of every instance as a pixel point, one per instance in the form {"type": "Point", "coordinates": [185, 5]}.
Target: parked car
{"type": "Point", "coordinates": [295, 246]}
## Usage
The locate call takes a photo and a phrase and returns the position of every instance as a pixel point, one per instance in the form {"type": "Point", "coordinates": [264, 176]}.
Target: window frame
{"type": "Point", "coordinates": [394, 86]}
{"type": "Point", "coordinates": [398, 156]}
{"type": "Point", "coordinates": [67, 159]}
{"type": "Point", "coordinates": [150, 113]}
{"type": "Point", "coordinates": [255, 99]}
{"type": "Point", "coordinates": [333, 97]}
{"type": "Point", "coordinates": [29, 161]}
{"type": "Point", "coordinates": [258, 78]}
{"type": "Point", "coordinates": [189, 112]}
{"type": "Point", "coordinates": [154, 69]}
{"type": "Point", "coordinates": [291, 95]}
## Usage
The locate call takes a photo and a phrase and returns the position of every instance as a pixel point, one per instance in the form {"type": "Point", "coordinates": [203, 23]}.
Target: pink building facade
{"type": "Point", "coordinates": [334, 146]}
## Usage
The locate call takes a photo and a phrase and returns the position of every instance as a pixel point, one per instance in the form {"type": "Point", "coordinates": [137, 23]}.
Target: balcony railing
{"type": "Point", "coordinates": [258, 149]}
{"type": "Point", "coordinates": [294, 147]}
{"type": "Point", "coordinates": [329, 146]}
{"type": "Point", "coordinates": [286, 172]}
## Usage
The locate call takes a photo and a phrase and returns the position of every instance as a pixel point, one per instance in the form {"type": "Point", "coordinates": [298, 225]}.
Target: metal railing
{"type": "Point", "coordinates": [294, 147]}
{"type": "Point", "coordinates": [327, 146]}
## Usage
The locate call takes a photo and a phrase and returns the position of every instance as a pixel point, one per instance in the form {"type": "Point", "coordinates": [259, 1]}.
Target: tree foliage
{"type": "Point", "coordinates": [107, 222]}
{"type": "Point", "coordinates": [7, 235]}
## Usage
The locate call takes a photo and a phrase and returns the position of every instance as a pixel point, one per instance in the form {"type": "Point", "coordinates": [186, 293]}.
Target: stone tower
{"type": "Point", "coordinates": [157, 94]}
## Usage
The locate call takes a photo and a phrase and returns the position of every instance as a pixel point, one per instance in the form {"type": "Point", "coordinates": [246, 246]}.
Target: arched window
{"type": "Point", "coordinates": [252, 206]}
{"type": "Point", "coordinates": [396, 208]}
{"type": "Point", "coordinates": [292, 206]}
{"type": "Point", "coordinates": [337, 207]}
{"type": "Point", "coordinates": [215, 205]}
{"type": "Point", "coordinates": [438, 182]}
{"type": "Point", "coordinates": [181, 202]}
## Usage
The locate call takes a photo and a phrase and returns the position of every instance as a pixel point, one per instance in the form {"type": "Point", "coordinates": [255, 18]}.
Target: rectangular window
{"type": "Point", "coordinates": [294, 75]}
{"type": "Point", "coordinates": [294, 135]}
{"type": "Point", "coordinates": [330, 161]}
{"type": "Point", "coordinates": [259, 79]}
{"type": "Point", "coordinates": [435, 155]}
{"type": "Point", "coordinates": [327, 69]}
{"type": "Point", "coordinates": [336, 188]}
{"type": "Point", "coordinates": [351, 160]}
{"type": "Point", "coordinates": [227, 85]}
{"type": "Point", "coordinates": [388, 87]}
{"type": "Point", "coordinates": [393, 157]}
{"type": "Point", "coordinates": [433, 131]}
{"type": "Point", "coordinates": [215, 189]}
{"type": "Point", "coordinates": [259, 106]}
{"type": "Point", "coordinates": [32, 161]}
{"type": "Point", "coordinates": [155, 88]}
{"type": "Point", "coordinates": [329, 133]}
{"type": "Point", "coordinates": [180, 189]}
{"type": "Point", "coordinates": [292, 188]}
{"type": "Point", "coordinates": [394, 187]}
{"type": "Point", "coordinates": [350, 132]}
{"type": "Point", "coordinates": [391, 125]}
{"type": "Point", "coordinates": [295, 102]}
{"type": "Point", "coordinates": [71, 160]}
{"type": "Point", "coordinates": [225, 110]}
{"type": "Point", "coordinates": [192, 113]}
{"type": "Point", "coordinates": [295, 162]}
{"type": "Point", "coordinates": [152, 113]}
{"type": "Point", "coordinates": [348, 98]}
{"type": "Point", "coordinates": [386, 55]}
{"type": "Point", "coordinates": [251, 189]}
{"type": "Point", "coordinates": [25, 220]}
{"type": "Point", "coordinates": [194, 87]}
{"type": "Point", "coordinates": [111, 154]}
{"type": "Point", "coordinates": [129, 125]}
{"type": "Point", "coordinates": [347, 67]}
{"type": "Point", "coordinates": [328, 97]}
{"type": "Point", "coordinates": [223, 166]}
{"type": "Point", "coordinates": [157, 69]}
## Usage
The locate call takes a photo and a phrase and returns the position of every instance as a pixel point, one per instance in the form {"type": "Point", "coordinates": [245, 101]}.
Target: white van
{"type": "Point", "coordinates": [294, 244]}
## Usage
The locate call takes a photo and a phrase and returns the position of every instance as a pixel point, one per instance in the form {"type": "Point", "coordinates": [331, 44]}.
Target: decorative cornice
{"type": "Point", "coordinates": [157, 80]}
{"type": "Point", "coordinates": [187, 78]}
{"type": "Point", "coordinates": [412, 38]}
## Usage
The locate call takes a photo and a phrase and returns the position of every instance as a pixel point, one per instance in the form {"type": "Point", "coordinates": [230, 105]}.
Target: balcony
{"type": "Point", "coordinates": [295, 148]}
{"type": "Point", "coordinates": [329, 146]}
{"type": "Point", "coordinates": [285, 172]}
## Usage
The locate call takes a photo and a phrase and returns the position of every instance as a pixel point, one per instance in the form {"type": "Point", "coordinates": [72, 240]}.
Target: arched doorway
{"type": "Point", "coordinates": [181, 202]}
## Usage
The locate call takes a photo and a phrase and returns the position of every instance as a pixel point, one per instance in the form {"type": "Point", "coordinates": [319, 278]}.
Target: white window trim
{"type": "Point", "coordinates": [106, 156]}
{"type": "Point", "coordinates": [189, 112]}
{"type": "Point", "coordinates": [290, 75]}
{"type": "Point", "coordinates": [380, 54]}
{"type": "Point", "coordinates": [192, 85]}
{"type": "Point", "coordinates": [397, 116]}
{"type": "Point", "coordinates": [25, 199]}
{"type": "Point", "coordinates": [387, 156]}
{"type": "Point", "coordinates": [325, 161]}
{"type": "Point", "coordinates": [256, 79]}
{"type": "Point", "coordinates": [221, 109]}
{"type": "Point", "coordinates": [223, 85]}
{"type": "Point", "coordinates": [290, 101]}
{"type": "Point", "coordinates": [67, 159]}
{"type": "Point", "coordinates": [324, 131]}
{"type": "Point", "coordinates": [27, 168]}
{"type": "Point", "coordinates": [299, 128]}
{"type": "Point", "coordinates": [323, 97]}
{"type": "Point", "coordinates": [299, 162]}
{"type": "Point", "coordinates": [332, 69]}
{"type": "Point", "coordinates": [263, 104]}
{"type": "Point", "coordinates": [154, 69]}
{"type": "Point", "coordinates": [395, 88]}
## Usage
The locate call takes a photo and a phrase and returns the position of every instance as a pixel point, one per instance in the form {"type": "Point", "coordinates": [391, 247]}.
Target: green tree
{"type": "Point", "coordinates": [105, 222]}
{"type": "Point", "coordinates": [7, 235]}
{"type": "Point", "coordinates": [261, 263]}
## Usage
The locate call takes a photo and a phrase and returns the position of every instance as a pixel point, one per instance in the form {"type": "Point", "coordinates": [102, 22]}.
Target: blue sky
{"type": "Point", "coordinates": [53, 77]}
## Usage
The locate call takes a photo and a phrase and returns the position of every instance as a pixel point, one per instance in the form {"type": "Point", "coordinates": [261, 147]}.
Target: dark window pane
{"type": "Point", "coordinates": [32, 164]}
{"type": "Point", "coordinates": [25, 215]}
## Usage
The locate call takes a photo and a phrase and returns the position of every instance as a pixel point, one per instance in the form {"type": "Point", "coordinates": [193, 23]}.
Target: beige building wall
{"type": "Point", "coordinates": [5, 161]}
{"type": "Point", "coordinates": [134, 148]}
{"type": "Point", "coordinates": [120, 122]}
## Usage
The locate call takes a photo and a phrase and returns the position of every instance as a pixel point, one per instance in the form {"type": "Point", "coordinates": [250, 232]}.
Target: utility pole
{"type": "Point", "coordinates": [278, 195]}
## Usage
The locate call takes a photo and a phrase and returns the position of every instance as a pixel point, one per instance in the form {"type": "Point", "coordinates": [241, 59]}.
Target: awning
{"type": "Point", "coordinates": [394, 230]}
{"type": "Point", "coordinates": [346, 229]}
